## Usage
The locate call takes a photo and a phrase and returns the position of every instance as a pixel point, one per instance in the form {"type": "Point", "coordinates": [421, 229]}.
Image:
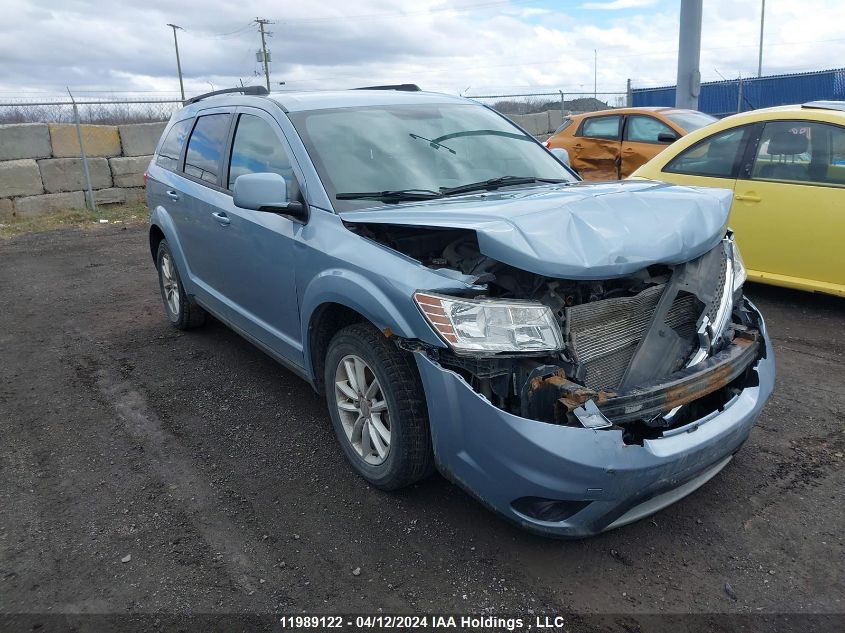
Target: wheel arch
{"type": "Point", "coordinates": [328, 319]}
{"type": "Point", "coordinates": [337, 298]}
{"type": "Point", "coordinates": [156, 237]}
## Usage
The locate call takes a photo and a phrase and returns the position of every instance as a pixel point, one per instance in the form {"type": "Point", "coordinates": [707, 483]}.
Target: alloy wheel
{"type": "Point", "coordinates": [170, 283]}
{"type": "Point", "coordinates": [363, 409]}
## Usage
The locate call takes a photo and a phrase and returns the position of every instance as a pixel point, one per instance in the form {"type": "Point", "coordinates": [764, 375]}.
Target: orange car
{"type": "Point", "coordinates": [611, 144]}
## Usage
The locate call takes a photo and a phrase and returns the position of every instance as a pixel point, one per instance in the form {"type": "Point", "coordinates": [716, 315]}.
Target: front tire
{"type": "Point", "coordinates": [377, 405]}
{"type": "Point", "coordinates": [181, 313]}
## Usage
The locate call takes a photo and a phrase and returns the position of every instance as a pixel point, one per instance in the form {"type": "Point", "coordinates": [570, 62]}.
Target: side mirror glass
{"type": "Point", "coordinates": [667, 137]}
{"type": "Point", "coordinates": [266, 192]}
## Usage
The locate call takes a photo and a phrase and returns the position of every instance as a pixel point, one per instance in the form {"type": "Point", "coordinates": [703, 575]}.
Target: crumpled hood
{"type": "Point", "coordinates": [583, 231]}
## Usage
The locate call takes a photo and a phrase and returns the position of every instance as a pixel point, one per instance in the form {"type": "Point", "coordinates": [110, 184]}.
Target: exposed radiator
{"type": "Point", "coordinates": [603, 335]}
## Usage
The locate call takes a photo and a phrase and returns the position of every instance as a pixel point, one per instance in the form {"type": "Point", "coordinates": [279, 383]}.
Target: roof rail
{"type": "Point", "coordinates": [402, 87]}
{"type": "Point", "coordinates": [825, 105]}
{"type": "Point", "coordinates": [258, 91]}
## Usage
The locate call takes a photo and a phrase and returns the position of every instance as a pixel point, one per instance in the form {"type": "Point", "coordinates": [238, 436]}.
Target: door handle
{"type": "Point", "coordinates": [172, 195]}
{"type": "Point", "coordinates": [750, 197]}
{"type": "Point", "coordinates": [222, 218]}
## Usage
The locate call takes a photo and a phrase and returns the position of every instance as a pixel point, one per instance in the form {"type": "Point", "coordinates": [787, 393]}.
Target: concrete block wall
{"type": "Point", "coordinates": [540, 124]}
{"type": "Point", "coordinates": [41, 170]}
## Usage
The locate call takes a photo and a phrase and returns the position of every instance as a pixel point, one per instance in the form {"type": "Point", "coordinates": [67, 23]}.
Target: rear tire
{"type": "Point", "coordinates": [181, 312]}
{"type": "Point", "coordinates": [381, 423]}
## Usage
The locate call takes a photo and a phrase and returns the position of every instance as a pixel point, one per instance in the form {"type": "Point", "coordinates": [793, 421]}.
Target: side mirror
{"type": "Point", "coordinates": [561, 154]}
{"type": "Point", "coordinates": [667, 137]}
{"type": "Point", "coordinates": [267, 192]}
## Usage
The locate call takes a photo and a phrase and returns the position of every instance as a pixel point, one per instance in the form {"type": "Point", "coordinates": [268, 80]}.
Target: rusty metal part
{"type": "Point", "coordinates": [553, 398]}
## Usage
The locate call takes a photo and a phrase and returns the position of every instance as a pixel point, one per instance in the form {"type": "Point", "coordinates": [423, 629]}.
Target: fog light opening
{"type": "Point", "coordinates": [551, 510]}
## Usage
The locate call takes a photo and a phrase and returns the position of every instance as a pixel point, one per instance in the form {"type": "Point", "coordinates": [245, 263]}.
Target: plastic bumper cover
{"type": "Point", "coordinates": [499, 457]}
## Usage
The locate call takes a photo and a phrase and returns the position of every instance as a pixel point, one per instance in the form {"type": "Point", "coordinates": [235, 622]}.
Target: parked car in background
{"type": "Point", "coordinates": [786, 168]}
{"type": "Point", "coordinates": [611, 144]}
{"type": "Point", "coordinates": [576, 356]}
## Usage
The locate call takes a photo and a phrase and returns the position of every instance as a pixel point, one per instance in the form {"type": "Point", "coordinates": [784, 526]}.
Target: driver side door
{"type": "Point", "coordinates": [257, 250]}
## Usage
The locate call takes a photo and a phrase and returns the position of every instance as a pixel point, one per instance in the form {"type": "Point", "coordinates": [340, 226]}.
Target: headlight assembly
{"type": "Point", "coordinates": [472, 326]}
{"type": "Point", "coordinates": [740, 274]}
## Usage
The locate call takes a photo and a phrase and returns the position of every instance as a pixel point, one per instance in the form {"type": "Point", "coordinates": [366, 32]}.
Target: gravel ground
{"type": "Point", "coordinates": [145, 470]}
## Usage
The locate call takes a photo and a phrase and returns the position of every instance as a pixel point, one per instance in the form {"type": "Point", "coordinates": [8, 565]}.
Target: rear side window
{"type": "Point", "coordinates": [171, 149]}
{"type": "Point", "coordinates": [717, 156]}
{"type": "Point", "coordinates": [208, 139]}
{"type": "Point", "coordinates": [806, 152]}
{"type": "Point", "coordinates": [257, 149]}
{"type": "Point", "coordinates": [601, 127]}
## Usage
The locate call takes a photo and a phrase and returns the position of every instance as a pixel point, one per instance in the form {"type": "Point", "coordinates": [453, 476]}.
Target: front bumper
{"type": "Point", "coordinates": [499, 457]}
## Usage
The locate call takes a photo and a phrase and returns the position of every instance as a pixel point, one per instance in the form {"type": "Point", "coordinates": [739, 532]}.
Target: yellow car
{"type": "Point", "coordinates": [786, 167]}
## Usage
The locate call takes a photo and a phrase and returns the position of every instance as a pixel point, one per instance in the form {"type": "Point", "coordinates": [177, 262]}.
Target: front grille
{"type": "Point", "coordinates": [603, 335]}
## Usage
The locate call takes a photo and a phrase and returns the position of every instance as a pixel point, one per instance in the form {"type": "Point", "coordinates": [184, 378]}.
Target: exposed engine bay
{"type": "Point", "coordinates": [636, 348]}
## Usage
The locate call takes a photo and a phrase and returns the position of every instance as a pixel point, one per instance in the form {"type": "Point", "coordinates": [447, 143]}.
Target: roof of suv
{"type": "Point", "coordinates": [297, 101]}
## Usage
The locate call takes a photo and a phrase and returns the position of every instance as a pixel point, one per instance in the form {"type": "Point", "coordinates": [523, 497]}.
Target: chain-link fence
{"type": "Point", "coordinates": [113, 112]}
{"type": "Point", "coordinates": [566, 102]}
{"type": "Point", "coordinates": [117, 112]}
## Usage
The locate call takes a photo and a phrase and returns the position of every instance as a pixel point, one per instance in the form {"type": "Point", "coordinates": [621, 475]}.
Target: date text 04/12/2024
{"type": "Point", "coordinates": [455, 622]}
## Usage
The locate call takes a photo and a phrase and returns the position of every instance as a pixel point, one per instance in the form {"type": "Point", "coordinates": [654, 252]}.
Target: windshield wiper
{"type": "Point", "coordinates": [495, 183]}
{"type": "Point", "coordinates": [432, 143]}
{"type": "Point", "coordinates": [398, 195]}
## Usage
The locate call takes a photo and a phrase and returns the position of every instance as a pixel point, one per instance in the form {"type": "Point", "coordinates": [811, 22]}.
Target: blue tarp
{"type": "Point", "coordinates": [721, 98]}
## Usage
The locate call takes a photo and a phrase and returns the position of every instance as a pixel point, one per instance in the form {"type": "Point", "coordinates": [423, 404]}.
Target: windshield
{"type": "Point", "coordinates": [417, 147]}
{"type": "Point", "coordinates": [690, 120]}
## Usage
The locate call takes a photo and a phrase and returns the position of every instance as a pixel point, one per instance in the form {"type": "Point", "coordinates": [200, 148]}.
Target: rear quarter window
{"type": "Point", "coordinates": [171, 148]}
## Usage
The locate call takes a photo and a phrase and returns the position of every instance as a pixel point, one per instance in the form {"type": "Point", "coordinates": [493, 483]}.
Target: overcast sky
{"type": "Point", "coordinates": [460, 46]}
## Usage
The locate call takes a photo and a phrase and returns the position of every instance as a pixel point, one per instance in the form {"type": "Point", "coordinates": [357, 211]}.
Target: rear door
{"type": "Point", "coordinates": [199, 196]}
{"type": "Point", "coordinates": [596, 146]}
{"type": "Point", "coordinates": [641, 141]}
{"type": "Point", "coordinates": [789, 207]}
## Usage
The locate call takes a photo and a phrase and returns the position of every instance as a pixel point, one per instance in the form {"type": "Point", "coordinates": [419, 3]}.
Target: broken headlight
{"type": "Point", "coordinates": [740, 274]}
{"type": "Point", "coordinates": [491, 325]}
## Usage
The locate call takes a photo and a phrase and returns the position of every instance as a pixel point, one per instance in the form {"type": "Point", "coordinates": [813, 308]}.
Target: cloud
{"type": "Point", "coordinates": [447, 45]}
{"type": "Point", "coordinates": [617, 5]}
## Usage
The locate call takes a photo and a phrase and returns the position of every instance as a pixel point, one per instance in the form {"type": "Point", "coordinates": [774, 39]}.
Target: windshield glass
{"type": "Point", "coordinates": [417, 147]}
{"type": "Point", "coordinates": [690, 120]}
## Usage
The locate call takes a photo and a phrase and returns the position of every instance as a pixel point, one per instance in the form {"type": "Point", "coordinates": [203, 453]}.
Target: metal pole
{"type": "Point", "coordinates": [178, 63]}
{"type": "Point", "coordinates": [91, 204]}
{"type": "Point", "coordinates": [595, 73]}
{"type": "Point", "coordinates": [629, 95]}
{"type": "Point", "coordinates": [562, 105]}
{"type": "Point", "coordinates": [261, 24]}
{"type": "Point", "coordinates": [689, 55]}
{"type": "Point", "coordinates": [760, 56]}
{"type": "Point", "coordinates": [739, 95]}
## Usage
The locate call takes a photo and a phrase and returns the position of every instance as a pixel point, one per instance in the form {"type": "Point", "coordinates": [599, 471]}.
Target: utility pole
{"type": "Point", "coordinates": [689, 55]}
{"type": "Point", "coordinates": [264, 54]}
{"type": "Point", "coordinates": [595, 74]}
{"type": "Point", "coordinates": [760, 56]}
{"type": "Point", "coordinates": [178, 63]}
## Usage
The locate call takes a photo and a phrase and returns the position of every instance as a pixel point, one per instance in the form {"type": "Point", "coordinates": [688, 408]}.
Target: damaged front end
{"type": "Point", "coordinates": [645, 353]}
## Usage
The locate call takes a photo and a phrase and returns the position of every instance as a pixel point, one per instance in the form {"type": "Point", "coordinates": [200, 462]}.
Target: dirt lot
{"type": "Point", "coordinates": [216, 470]}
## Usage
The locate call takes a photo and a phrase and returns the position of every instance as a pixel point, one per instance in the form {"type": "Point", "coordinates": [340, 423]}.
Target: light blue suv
{"type": "Point", "coordinates": [575, 356]}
